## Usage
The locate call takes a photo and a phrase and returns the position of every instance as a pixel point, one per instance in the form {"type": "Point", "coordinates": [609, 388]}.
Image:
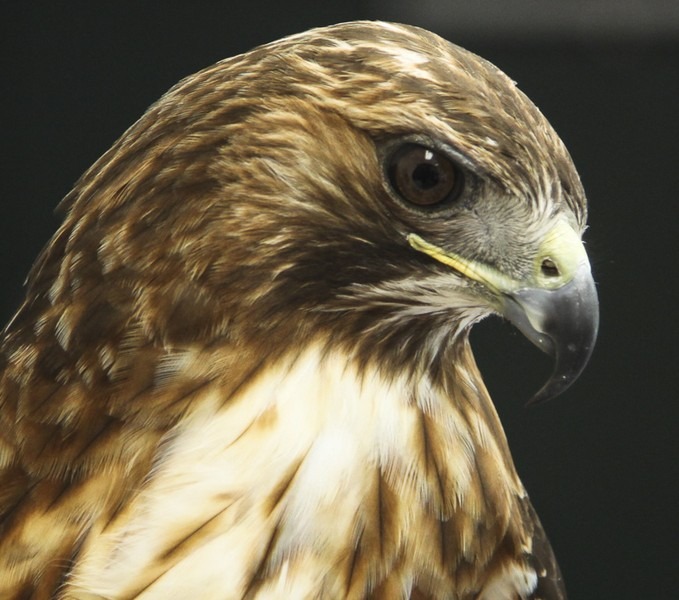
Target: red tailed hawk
{"type": "Point", "coordinates": [242, 369]}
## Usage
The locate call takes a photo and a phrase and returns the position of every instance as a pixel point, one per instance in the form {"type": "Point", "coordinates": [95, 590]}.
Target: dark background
{"type": "Point", "coordinates": [600, 462]}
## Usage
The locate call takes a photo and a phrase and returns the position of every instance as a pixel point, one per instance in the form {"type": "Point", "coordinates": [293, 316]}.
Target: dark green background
{"type": "Point", "coordinates": [601, 462]}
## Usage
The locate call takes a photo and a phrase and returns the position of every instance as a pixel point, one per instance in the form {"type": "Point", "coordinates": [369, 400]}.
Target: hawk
{"type": "Point", "coordinates": [242, 368]}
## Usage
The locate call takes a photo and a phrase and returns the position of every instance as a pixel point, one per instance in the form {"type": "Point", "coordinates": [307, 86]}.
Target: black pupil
{"type": "Point", "coordinates": [426, 176]}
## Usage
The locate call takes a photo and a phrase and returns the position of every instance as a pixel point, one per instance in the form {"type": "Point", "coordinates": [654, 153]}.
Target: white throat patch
{"type": "Point", "coordinates": [279, 483]}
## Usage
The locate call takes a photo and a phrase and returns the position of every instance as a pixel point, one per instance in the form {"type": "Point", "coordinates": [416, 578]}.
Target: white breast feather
{"type": "Point", "coordinates": [312, 420]}
{"type": "Point", "coordinates": [513, 581]}
{"type": "Point", "coordinates": [222, 464]}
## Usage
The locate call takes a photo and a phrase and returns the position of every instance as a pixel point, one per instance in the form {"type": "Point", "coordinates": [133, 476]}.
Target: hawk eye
{"type": "Point", "coordinates": [424, 176]}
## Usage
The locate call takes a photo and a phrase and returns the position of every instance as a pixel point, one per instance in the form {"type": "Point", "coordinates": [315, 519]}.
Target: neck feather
{"type": "Point", "coordinates": [353, 478]}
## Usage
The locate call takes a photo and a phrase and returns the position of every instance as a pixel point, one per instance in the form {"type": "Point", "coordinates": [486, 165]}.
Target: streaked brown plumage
{"type": "Point", "coordinates": [238, 373]}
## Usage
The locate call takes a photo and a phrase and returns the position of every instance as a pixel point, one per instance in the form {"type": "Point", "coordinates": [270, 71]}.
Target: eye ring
{"type": "Point", "coordinates": [423, 176]}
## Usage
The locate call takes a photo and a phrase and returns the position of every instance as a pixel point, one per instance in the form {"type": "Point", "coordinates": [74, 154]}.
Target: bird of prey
{"type": "Point", "coordinates": [242, 367]}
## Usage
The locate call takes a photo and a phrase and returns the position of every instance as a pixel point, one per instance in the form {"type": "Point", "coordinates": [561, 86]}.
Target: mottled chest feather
{"type": "Point", "coordinates": [319, 480]}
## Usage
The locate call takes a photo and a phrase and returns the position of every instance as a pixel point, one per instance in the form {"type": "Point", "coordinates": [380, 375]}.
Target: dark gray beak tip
{"type": "Point", "coordinates": [567, 369]}
{"type": "Point", "coordinates": [553, 388]}
{"type": "Point", "coordinates": [563, 323]}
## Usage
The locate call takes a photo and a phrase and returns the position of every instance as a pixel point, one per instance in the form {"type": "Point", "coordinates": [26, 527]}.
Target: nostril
{"type": "Point", "coordinates": [549, 268]}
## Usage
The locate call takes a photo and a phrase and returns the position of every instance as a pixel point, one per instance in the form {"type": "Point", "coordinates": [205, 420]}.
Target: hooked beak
{"type": "Point", "coordinates": [562, 322]}
{"type": "Point", "coordinates": [557, 308]}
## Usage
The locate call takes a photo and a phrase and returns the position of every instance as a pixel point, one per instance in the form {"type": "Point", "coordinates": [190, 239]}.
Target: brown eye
{"type": "Point", "coordinates": [424, 176]}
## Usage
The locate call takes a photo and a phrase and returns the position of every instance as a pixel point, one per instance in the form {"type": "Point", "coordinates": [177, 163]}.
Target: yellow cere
{"type": "Point", "coordinates": [563, 246]}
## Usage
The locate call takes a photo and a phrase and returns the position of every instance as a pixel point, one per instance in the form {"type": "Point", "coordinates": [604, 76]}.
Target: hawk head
{"type": "Point", "coordinates": [369, 184]}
